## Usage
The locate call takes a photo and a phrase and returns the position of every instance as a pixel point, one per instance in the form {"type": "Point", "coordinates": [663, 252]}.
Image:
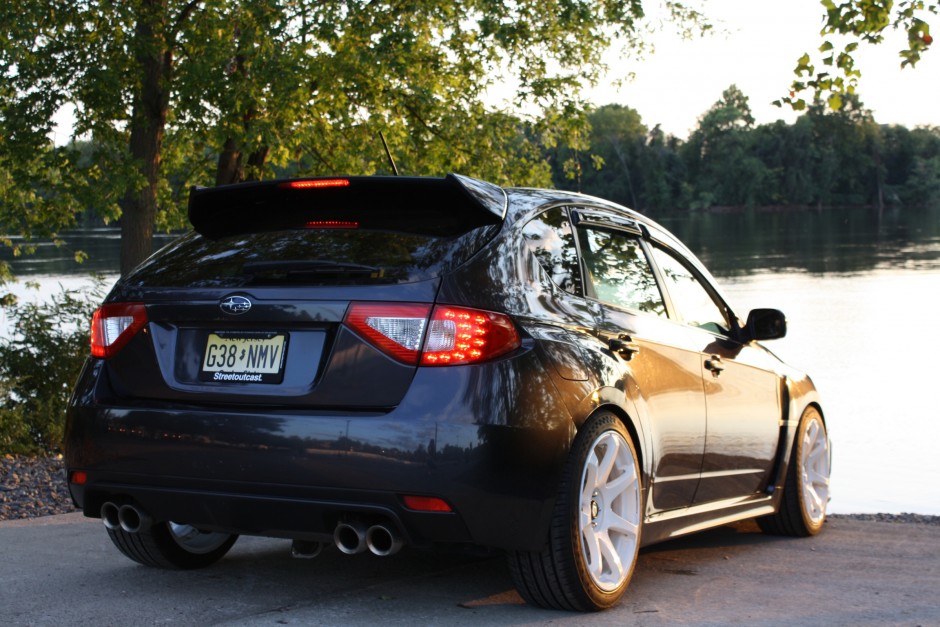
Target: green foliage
{"type": "Point", "coordinates": [39, 364]}
{"type": "Point", "coordinates": [825, 158]}
{"type": "Point", "coordinates": [830, 74]}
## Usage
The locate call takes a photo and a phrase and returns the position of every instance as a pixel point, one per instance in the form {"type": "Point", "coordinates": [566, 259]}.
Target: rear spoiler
{"type": "Point", "coordinates": [447, 206]}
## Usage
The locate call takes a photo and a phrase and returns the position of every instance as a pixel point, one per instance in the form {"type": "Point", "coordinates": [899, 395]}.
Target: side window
{"type": "Point", "coordinates": [551, 239]}
{"type": "Point", "coordinates": [620, 272]}
{"type": "Point", "coordinates": [693, 302]}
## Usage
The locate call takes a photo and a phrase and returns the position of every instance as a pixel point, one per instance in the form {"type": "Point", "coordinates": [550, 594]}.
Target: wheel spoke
{"type": "Point", "coordinates": [611, 557]}
{"type": "Point", "coordinates": [590, 480]}
{"type": "Point", "coordinates": [815, 501]}
{"type": "Point", "coordinates": [611, 448]}
{"type": "Point", "coordinates": [619, 524]}
{"type": "Point", "coordinates": [592, 543]}
{"type": "Point", "coordinates": [816, 478]}
{"type": "Point", "coordinates": [618, 486]}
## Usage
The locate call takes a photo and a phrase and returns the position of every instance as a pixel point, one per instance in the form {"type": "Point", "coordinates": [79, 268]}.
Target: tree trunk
{"type": "Point", "coordinates": [229, 169]}
{"type": "Point", "coordinates": [154, 61]}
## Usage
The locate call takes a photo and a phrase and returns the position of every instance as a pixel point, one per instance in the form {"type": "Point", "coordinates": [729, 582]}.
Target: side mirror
{"type": "Point", "coordinates": [766, 324]}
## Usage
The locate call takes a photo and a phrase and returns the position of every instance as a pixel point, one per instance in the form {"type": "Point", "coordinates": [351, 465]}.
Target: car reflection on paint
{"type": "Point", "coordinates": [445, 363]}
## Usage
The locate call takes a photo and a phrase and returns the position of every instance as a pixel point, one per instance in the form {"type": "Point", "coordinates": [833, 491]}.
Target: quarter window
{"type": "Point", "coordinates": [551, 239]}
{"type": "Point", "coordinates": [619, 271]}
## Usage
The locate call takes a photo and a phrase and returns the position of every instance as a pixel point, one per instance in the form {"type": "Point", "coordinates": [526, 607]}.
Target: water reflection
{"type": "Point", "coordinates": [827, 241]}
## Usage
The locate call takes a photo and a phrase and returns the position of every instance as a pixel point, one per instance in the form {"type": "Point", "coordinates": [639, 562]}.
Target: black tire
{"type": "Point", "coordinates": [802, 510]}
{"type": "Point", "coordinates": [575, 570]}
{"type": "Point", "coordinates": [172, 546]}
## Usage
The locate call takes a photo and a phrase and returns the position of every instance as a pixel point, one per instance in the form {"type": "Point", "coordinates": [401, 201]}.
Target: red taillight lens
{"type": "Point", "coordinates": [452, 336]}
{"type": "Point", "coordinates": [396, 329]}
{"type": "Point", "coordinates": [78, 477]}
{"type": "Point", "coordinates": [114, 325]}
{"type": "Point", "coordinates": [426, 504]}
{"type": "Point", "coordinates": [457, 335]}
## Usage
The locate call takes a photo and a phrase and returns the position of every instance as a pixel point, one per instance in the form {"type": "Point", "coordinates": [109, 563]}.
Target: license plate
{"type": "Point", "coordinates": [232, 357]}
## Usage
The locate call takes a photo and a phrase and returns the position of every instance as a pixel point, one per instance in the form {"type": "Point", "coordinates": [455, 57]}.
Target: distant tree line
{"type": "Point", "coordinates": [825, 158]}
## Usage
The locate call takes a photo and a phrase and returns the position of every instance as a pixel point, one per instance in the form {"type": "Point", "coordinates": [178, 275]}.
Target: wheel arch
{"type": "Point", "coordinates": [626, 410]}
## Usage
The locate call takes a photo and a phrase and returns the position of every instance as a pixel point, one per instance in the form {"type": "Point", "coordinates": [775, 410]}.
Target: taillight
{"type": "Point", "coordinates": [114, 325]}
{"type": "Point", "coordinates": [457, 335]}
{"type": "Point", "coordinates": [442, 336]}
{"type": "Point", "coordinates": [396, 329]}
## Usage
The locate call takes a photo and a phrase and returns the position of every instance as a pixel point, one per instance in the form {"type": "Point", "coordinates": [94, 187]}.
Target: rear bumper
{"type": "Point", "coordinates": [490, 440]}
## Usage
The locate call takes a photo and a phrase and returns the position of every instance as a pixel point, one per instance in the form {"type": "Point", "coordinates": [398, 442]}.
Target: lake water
{"type": "Point", "coordinates": [861, 292]}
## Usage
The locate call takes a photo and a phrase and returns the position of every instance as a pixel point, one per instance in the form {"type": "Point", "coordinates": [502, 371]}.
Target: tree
{"type": "Point", "coordinates": [831, 74]}
{"type": "Point", "coordinates": [719, 154]}
{"type": "Point", "coordinates": [257, 81]}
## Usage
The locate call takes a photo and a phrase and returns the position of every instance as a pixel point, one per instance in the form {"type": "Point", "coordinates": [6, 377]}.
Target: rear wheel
{"type": "Point", "coordinates": [595, 532]}
{"type": "Point", "coordinates": [172, 545]}
{"type": "Point", "coordinates": [806, 493]}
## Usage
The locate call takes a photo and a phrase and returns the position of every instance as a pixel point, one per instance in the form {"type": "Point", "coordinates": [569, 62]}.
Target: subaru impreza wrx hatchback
{"type": "Point", "coordinates": [375, 362]}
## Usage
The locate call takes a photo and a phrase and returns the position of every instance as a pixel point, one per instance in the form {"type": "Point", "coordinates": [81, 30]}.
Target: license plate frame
{"type": "Point", "coordinates": [240, 357]}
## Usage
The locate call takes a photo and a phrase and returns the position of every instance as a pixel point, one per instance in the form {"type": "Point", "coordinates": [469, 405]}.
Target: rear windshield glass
{"type": "Point", "coordinates": [307, 257]}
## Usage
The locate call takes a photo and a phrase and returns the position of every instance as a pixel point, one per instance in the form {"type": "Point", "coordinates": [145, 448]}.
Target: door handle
{"type": "Point", "coordinates": [714, 364]}
{"type": "Point", "coordinates": [623, 346]}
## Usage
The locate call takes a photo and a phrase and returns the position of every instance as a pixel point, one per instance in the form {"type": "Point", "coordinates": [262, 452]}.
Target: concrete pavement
{"type": "Point", "coordinates": [63, 570]}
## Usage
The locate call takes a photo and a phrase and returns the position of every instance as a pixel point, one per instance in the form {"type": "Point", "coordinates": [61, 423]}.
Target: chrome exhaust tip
{"type": "Point", "coordinates": [383, 540]}
{"type": "Point", "coordinates": [350, 537]}
{"type": "Point", "coordinates": [110, 516]}
{"type": "Point", "coordinates": [132, 519]}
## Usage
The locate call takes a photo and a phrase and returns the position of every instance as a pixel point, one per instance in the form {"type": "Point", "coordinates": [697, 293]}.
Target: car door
{"type": "Point", "coordinates": [742, 390]}
{"type": "Point", "coordinates": [632, 320]}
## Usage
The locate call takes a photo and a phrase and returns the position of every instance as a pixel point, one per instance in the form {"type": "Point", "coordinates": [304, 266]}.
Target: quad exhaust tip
{"type": "Point", "coordinates": [383, 540]}
{"type": "Point", "coordinates": [127, 518]}
{"type": "Point", "coordinates": [350, 537]}
{"type": "Point", "coordinates": [353, 537]}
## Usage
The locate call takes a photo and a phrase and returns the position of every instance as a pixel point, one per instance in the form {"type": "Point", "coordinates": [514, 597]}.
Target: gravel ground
{"type": "Point", "coordinates": [32, 486]}
{"type": "Point", "coordinates": [35, 486]}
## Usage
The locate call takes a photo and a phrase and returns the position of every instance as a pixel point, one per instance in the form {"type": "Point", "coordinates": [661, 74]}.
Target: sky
{"type": "Point", "coordinates": [681, 80]}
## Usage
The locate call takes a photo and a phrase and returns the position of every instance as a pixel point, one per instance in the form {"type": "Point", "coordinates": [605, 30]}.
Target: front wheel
{"type": "Point", "coordinates": [806, 493]}
{"type": "Point", "coordinates": [595, 532]}
{"type": "Point", "coordinates": [172, 545]}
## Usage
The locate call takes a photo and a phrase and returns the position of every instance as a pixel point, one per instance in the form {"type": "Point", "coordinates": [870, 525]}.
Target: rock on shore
{"type": "Point", "coordinates": [32, 486]}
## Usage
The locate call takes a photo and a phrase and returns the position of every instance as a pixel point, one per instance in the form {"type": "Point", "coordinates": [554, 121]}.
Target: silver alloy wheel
{"type": "Point", "coordinates": [195, 541]}
{"type": "Point", "coordinates": [609, 505]}
{"type": "Point", "coordinates": [814, 470]}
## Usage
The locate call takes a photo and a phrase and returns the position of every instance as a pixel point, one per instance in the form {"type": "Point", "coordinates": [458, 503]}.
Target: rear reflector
{"type": "Point", "coordinates": [426, 504]}
{"type": "Point", "coordinates": [445, 336]}
{"type": "Point", "coordinates": [78, 477]}
{"type": "Point", "coordinates": [114, 325]}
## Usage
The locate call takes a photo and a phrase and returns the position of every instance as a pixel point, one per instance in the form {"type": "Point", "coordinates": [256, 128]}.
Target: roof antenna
{"type": "Point", "coordinates": [388, 153]}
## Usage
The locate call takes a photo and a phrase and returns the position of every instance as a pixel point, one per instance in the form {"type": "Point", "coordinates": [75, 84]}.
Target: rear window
{"type": "Point", "coordinates": [307, 257]}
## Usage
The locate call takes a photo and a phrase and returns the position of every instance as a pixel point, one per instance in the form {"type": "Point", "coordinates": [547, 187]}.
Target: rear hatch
{"type": "Point", "coordinates": [288, 291]}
